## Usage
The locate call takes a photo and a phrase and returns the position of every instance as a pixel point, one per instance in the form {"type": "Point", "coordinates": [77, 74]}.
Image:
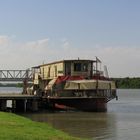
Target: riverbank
{"type": "Point", "coordinates": [14, 127]}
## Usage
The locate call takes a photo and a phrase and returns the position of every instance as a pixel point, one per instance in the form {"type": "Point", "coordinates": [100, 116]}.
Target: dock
{"type": "Point", "coordinates": [20, 102]}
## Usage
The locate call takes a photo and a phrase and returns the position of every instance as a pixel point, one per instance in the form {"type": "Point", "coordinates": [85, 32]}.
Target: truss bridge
{"type": "Point", "coordinates": [16, 75]}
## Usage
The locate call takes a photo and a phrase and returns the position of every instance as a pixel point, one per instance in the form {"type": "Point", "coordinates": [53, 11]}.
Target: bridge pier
{"type": "Point", "coordinates": [34, 105]}
{"type": "Point", "coordinates": [19, 102]}
{"type": "Point", "coordinates": [20, 106]}
{"type": "Point", "coordinates": [13, 105]}
{"type": "Point", "coordinates": [3, 105]}
{"type": "Point", "coordinates": [26, 105]}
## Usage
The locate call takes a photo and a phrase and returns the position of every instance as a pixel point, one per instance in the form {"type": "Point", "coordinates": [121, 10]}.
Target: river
{"type": "Point", "coordinates": [120, 122]}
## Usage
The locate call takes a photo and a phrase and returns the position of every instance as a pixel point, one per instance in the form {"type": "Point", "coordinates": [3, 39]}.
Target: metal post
{"type": "Point", "coordinates": [25, 105]}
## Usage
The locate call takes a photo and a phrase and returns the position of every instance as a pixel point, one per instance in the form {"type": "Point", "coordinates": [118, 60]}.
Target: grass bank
{"type": "Point", "coordinates": [14, 127]}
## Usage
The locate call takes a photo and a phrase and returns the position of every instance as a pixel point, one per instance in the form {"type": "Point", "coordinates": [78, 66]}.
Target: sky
{"type": "Point", "coordinates": [34, 32]}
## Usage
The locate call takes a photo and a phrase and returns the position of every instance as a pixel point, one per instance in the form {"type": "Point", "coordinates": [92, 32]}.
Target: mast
{"type": "Point", "coordinates": [97, 61]}
{"type": "Point", "coordinates": [96, 66]}
{"type": "Point", "coordinates": [106, 71]}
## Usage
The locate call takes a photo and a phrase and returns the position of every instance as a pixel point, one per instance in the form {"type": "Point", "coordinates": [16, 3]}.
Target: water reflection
{"type": "Point", "coordinates": [8, 90]}
{"type": "Point", "coordinates": [80, 124]}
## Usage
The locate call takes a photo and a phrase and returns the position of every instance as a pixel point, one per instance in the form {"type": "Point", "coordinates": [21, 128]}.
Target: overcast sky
{"type": "Point", "coordinates": [33, 32]}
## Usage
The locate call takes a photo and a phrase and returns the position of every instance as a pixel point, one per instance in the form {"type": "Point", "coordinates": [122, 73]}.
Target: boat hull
{"type": "Point", "coordinates": [83, 104]}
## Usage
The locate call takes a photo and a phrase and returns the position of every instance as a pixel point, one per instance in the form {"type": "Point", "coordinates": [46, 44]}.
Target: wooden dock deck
{"type": "Point", "coordinates": [12, 96]}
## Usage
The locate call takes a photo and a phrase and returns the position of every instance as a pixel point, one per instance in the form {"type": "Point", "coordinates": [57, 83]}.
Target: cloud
{"type": "Point", "coordinates": [122, 61]}
{"type": "Point", "coordinates": [65, 44]}
{"type": "Point", "coordinates": [37, 44]}
{"type": "Point", "coordinates": [4, 40]}
{"type": "Point", "coordinates": [17, 55]}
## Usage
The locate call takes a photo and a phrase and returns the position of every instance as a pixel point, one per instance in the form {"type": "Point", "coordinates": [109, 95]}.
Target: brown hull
{"type": "Point", "coordinates": [84, 104]}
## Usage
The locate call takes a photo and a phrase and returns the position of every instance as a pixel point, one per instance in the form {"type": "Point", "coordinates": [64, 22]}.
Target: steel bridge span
{"type": "Point", "coordinates": [15, 75]}
{"type": "Point", "coordinates": [20, 101]}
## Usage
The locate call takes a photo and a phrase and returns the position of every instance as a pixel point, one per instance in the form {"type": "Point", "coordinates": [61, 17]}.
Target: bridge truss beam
{"type": "Point", "coordinates": [15, 75]}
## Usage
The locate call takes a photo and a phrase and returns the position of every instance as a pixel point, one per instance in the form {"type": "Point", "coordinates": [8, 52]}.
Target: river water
{"type": "Point", "coordinates": [120, 122]}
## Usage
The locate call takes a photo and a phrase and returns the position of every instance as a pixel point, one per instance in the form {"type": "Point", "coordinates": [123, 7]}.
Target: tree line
{"type": "Point", "coordinates": [11, 84]}
{"type": "Point", "coordinates": [133, 83]}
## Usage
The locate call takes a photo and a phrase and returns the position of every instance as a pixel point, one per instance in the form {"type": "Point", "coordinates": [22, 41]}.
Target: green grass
{"type": "Point", "coordinates": [14, 127]}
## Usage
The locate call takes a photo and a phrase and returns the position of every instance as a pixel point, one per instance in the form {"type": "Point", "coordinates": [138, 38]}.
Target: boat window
{"type": "Point", "coordinates": [68, 68]}
{"type": "Point", "coordinates": [77, 66]}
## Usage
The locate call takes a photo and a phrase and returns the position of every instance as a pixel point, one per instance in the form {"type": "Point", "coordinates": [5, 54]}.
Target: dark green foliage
{"type": "Point", "coordinates": [13, 84]}
{"type": "Point", "coordinates": [127, 82]}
